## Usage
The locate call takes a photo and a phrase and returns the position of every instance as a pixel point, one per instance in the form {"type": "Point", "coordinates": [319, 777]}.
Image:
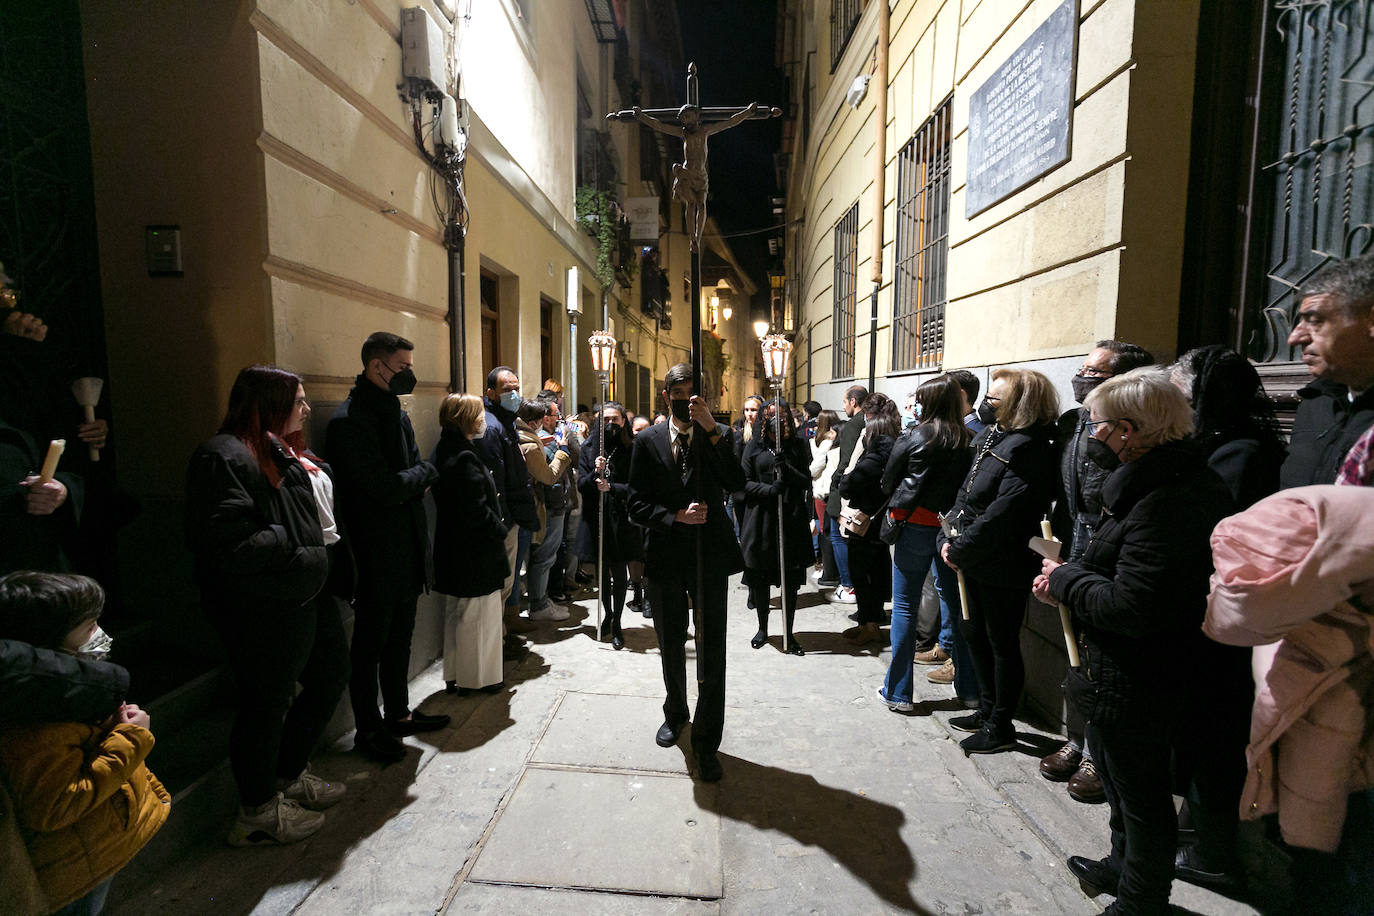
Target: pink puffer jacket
{"type": "Point", "coordinates": [1298, 567]}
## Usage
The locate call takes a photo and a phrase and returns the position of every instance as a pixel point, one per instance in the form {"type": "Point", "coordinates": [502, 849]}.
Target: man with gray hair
{"type": "Point", "coordinates": [1334, 328]}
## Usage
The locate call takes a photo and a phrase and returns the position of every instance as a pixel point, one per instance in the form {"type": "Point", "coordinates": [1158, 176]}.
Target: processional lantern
{"type": "Point", "coordinates": [603, 353]}
{"type": "Point", "coordinates": [777, 351]}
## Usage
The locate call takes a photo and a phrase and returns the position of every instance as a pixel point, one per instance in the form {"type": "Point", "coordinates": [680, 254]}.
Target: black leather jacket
{"type": "Point", "coordinates": [919, 475]}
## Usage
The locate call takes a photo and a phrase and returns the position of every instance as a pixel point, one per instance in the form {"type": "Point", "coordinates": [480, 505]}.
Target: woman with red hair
{"type": "Point", "coordinates": [260, 521]}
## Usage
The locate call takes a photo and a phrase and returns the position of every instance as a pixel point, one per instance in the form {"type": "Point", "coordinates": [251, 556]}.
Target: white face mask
{"type": "Point", "coordinates": [97, 647]}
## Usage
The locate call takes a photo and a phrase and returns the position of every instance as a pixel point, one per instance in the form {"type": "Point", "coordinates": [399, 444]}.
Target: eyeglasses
{"type": "Point", "coordinates": [1092, 425]}
{"type": "Point", "coordinates": [1090, 372]}
{"type": "Point", "coordinates": [301, 402]}
{"type": "Point", "coordinates": [992, 400]}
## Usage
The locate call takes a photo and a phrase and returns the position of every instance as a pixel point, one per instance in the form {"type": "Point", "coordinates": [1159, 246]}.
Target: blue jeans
{"type": "Point", "coordinates": [541, 561]}
{"type": "Point", "coordinates": [839, 548]}
{"type": "Point", "coordinates": [951, 637]}
{"type": "Point", "coordinates": [522, 551]}
{"type": "Point", "coordinates": [912, 557]}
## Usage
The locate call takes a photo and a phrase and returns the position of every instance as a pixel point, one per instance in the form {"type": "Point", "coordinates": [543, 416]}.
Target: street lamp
{"type": "Point", "coordinates": [602, 345]}
{"type": "Point", "coordinates": [777, 349]}
{"type": "Point", "coordinates": [761, 328]}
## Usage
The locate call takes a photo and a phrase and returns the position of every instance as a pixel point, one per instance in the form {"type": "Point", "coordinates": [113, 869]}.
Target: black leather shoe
{"type": "Point", "coordinates": [450, 686]}
{"type": "Point", "coordinates": [708, 767]}
{"type": "Point", "coordinates": [989, 740]}
{"type": "Point", "coordinates": [667, 734]}
{"type": "Point", "coordinates": [416, 723]}
{"type": "Point", "coordinates": [1189, 866]}
{"type": "Point", "coordinates": [794, 647]}
{"type": "Point", "coordinates": [617, 640]}
{"type": "Point", "coordinates": [1094, 876]}
{"type": "Point", "coordinates": [758, 641]}
{"type": "Point", "coordinates": [646, 610]}
{"type": "Point", "coordinates": [379, 745]}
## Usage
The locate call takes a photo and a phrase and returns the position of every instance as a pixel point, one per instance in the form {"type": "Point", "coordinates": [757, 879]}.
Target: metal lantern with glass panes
{"type": "Point", "coordinates": [602, 345]}
{"type": "Point", "coordinates": [777, 350]}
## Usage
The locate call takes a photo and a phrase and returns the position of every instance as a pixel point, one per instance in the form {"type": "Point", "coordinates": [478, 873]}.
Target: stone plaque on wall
{"type": "Point", "coordinates": [1019, 119]}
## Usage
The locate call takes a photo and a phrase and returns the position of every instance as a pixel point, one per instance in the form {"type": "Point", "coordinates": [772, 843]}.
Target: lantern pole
{"type": "Point", "coordinates": [775, 349]}
{"type": "Point", "coordinates": [603, 352]}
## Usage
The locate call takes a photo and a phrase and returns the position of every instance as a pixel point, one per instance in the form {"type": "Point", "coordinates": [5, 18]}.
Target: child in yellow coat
{"type": "Point", "coordinates": [85, 801]}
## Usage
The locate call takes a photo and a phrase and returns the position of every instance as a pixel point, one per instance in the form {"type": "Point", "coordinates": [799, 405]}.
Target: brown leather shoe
{"type": "Point", "coordinates": [1062, 764]}
{"type": "Point", "coordinates": [932, 656]}
{"type": "Point", "coordinates": [1086, 785]}
{"type": "Point", "coordinates": [943, 674]}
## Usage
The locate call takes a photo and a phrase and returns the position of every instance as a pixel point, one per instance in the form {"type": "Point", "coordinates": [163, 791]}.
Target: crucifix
{"type": "Point", "coordinates": [691, 181]}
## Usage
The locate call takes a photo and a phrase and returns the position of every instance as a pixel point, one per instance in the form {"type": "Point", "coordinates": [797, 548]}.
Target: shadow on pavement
{"type": "Point", "coordinates": [860, 833]}
{"type": "Point", "coordinates": [825, 642]}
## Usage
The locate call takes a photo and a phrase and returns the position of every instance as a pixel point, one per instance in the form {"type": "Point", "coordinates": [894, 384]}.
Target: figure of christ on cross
{"type": "Point", "coordinates": [694, 125]}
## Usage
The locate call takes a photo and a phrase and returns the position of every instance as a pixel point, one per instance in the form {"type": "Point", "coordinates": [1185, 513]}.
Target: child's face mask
{"type": "Point", "coordinates": [97, 647]}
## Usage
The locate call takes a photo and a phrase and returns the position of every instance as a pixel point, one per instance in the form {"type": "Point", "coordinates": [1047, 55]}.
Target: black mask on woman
{"type": "Point", "coordinates": [1101, 454]}
{"type": "Point", "coordinates": [1083, 386]}
{"type": "Point", "coordinates": [987, 414]}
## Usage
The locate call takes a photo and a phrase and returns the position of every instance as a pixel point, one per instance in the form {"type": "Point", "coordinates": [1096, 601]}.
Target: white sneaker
{"type": "Point", "coordinates": [550, 612]}
{"type": "Point", "coordinates": [894, 705]}
{"type": "Point", "coordinates": [844, 596]}
{"type": "Point", "coordinates": [276, 823]}
{"type": "Point", "coordinates": [310, 791]}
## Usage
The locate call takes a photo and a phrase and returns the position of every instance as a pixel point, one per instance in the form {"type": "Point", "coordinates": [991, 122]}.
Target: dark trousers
{"type": "Point", "coordinates": [271, 649]}
{"type": "Point", "coordinates": [1342, 881]}
{"type": "Point", "coordinates": [381, 653]}
{"type": "Point", "coordinates": [614, 581]}
{"type": "Point", "coordinates": [870, 569]}
{"type": "Point", "coordinates": [993, 634]}
{"type": "Point", "coordinates": [830, 572]}
{"type": "Point", "coordinates": [1135, 767]}
{"type": "Point", "coordinates": [760, 593]}
{"type": "Point", "coordinates": [668, 595]}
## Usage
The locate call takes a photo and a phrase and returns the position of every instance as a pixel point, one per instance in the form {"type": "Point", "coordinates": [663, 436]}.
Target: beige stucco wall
{"type": "Point", "coordinates": [1092, 249]}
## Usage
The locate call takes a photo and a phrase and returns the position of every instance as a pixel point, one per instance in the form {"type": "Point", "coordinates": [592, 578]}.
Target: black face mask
{"type": "Point", "coordinates": [681, 408]}
{"type": "Point", "coordinates": [1100, 454]}
{"type": "Point", "coordinates": [987, 414]}
{"type": "Point", "coordinates": [402, 383]}
{"type": "Point", "coordinates": [1082, 386]}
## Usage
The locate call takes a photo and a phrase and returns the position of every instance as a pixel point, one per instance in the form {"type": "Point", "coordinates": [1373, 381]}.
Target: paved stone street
{"type": "Point", "coordinates": [552, 797]}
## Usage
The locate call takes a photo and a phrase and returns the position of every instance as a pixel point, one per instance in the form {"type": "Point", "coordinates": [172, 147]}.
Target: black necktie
{"type": "Point", "coordinates": [684, 450]}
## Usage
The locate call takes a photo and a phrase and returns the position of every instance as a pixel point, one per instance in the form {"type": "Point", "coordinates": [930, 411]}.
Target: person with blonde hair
{"type": "Point", "coordinates": [998, 510]}
{"type": "Point", "coordinates": [1138, 594]}
{"type": "Point", "coordinates": [470, 559]}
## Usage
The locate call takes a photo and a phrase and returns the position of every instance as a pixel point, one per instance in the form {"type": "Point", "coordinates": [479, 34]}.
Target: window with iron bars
{"type": "Point", "coordinates": [918, 310]}
{"type": "Point", "coordinates": [846, 292]}
{"type": "Point", "coordinates": [844, 16]}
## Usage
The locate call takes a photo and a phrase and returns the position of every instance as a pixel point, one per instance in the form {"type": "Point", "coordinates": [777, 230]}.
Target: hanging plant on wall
{"type": "Point", "coordinates": [599, 217]}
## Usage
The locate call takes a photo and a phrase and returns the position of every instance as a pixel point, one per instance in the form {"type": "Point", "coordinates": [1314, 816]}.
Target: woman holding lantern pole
{"type": "Point", "coordinates": [987, 534]}
{"type": "Point", "coordinates": [773, 470]}
{"type": "Point", "coordinates": [609, 474]}
{"type": "Point", "coordinates": [1139, 594]}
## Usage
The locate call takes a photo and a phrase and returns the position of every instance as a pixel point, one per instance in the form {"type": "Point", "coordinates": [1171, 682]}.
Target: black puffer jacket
{"type": "Point", "coordinates": [249, 538]}
{"type": "Point", "coordinates": [921, 476]}
{"type": "Point", "coordinates": [1327, 425]}
{"type": "Point", "coordinates": [1139, 592]}
{"type": "Point", "coordinates": [1000, 504]}
{"type": "Point", "coordinates": [1078, 499]}
{"type": "Point", "coordinates": [759, 526]}
{"type": "Point", "coordinates": [500, 449]}
{"type": "Point", "coordinates": [469, 536]}
{"type": "Point", "coordinates": [44, 685]}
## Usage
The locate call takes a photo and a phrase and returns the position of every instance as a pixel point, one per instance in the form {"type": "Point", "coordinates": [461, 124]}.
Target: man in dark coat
{"type": "Point", "coordinates": [681, 473]}
{"type": "Point", "coordinates": [380, 483]}
{"type": "Point", "coordinates": [848, 438]}
{"type": "Point", "coordinates": [500, 449]}
{"type": "Point", "coordinates": [1335, 329]}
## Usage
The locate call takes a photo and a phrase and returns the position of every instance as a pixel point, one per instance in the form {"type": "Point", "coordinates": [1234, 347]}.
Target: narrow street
{"type": "Point", "coordinates": [552, 797]}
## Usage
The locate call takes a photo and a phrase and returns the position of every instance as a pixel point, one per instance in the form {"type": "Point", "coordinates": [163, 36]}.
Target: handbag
{"type": "Point", "coordinates": [890, 532]}
{"type": "Point", "coordinates": [853, 520]}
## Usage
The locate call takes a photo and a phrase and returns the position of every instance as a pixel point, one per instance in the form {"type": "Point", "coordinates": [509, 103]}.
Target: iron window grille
{"type": "Point", "coordinates": [844, 16]}
{"type": "Point", "coordinates": [846, 292]}
{"type": "Point", "coordinates": [923, 190]}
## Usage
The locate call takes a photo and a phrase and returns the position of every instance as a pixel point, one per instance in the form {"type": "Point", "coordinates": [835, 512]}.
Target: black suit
{"type": "Point", "coordinates": [657, 491]}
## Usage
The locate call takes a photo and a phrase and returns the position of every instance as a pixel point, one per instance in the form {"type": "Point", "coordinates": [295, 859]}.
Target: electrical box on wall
{"type": "Point", "coordinates": [163, 246]}
{"type": "Point", "coordinates": [422, 51]}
